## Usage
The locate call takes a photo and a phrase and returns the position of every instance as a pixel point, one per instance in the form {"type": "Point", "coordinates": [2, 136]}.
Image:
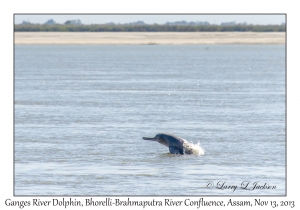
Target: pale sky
{"type": "Point", "coordinates": [160, 19]}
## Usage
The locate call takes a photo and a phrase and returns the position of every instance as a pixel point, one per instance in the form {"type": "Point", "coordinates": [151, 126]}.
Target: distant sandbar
{"type": "Point", "coordinates": [132, 38]}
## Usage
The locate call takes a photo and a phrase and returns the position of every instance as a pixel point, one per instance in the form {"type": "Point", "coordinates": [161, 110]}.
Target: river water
{"type": "Point", "coordinates": [81, 112]}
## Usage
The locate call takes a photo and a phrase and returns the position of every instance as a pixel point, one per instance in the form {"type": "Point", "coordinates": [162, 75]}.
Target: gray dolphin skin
{"type": "Point", "coordinates": [175, 143]}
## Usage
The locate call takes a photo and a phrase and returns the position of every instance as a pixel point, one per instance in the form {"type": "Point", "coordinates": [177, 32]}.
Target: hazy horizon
{"type": "Point", "coordinates": [151, 19]}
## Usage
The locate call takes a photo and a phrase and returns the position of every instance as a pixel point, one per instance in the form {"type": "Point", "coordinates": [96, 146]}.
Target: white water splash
{"type": "Point", "coordinates": [195, 149]}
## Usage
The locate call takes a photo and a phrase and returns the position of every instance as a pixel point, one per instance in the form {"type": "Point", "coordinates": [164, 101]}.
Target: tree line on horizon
{"type": "Point", "coordinates": [140, 26]}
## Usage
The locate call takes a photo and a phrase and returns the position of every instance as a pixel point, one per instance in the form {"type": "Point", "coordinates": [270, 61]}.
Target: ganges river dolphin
{"type": "Point", "coordinates": [176, 144]}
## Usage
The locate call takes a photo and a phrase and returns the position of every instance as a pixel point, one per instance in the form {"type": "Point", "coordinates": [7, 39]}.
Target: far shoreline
{"type": "Point", "coordinates": [148, 38]}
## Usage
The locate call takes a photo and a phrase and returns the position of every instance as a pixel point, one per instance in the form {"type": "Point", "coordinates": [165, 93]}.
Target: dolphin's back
{"type": "Point", "coordinates": [175, 144]}
{"type": "Point", "coordinates": [174, 139]}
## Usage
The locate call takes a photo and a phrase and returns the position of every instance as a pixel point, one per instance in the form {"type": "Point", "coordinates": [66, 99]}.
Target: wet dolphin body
{"type": "Point", "coordinates": [176, 144]}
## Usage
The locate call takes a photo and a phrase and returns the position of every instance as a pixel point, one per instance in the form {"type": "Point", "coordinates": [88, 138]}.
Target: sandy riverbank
{"type": "Point", "coordinates": [149, 38]}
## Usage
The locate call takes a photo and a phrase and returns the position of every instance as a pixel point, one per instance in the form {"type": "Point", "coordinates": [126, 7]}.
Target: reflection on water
{"type": "Point", "coordinates": [81, 113]}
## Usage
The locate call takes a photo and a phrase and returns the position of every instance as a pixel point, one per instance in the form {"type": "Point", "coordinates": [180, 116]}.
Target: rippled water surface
{"type": "Point", "coordinates": [81, 112]}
